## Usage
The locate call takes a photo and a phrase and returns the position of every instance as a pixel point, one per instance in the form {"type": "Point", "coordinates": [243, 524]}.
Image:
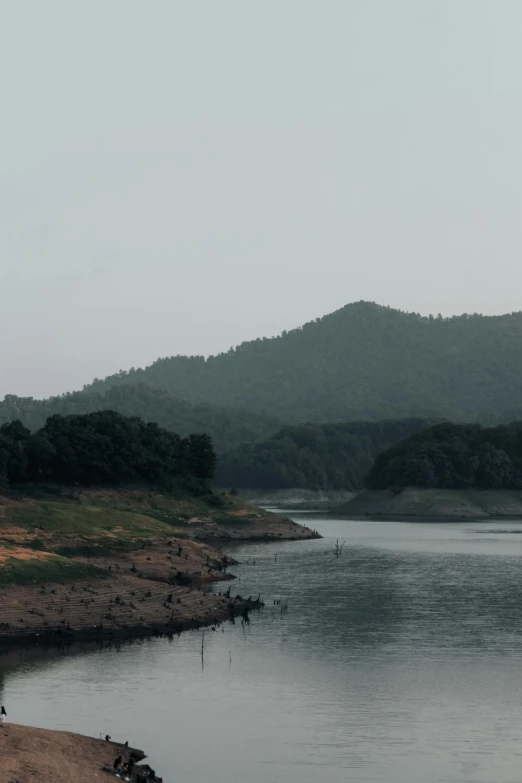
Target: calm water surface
{"type": "Point", "coordinates": [399, 662]}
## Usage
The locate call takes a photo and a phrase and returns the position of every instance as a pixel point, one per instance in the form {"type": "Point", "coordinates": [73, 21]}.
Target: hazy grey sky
{"type": "Point", "coordinates": [177, 177]}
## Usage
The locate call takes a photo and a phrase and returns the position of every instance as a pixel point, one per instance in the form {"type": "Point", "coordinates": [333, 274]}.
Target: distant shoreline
{"type": "Point", "coordinates": [442, 505]}
{"type": "Point", "coordinates": [426, 519]}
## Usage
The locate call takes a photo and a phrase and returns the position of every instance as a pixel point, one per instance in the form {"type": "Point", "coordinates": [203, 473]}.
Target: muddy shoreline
{"type": "Point", "coordinates": [70, 572]}
{"type": "Point", "coordinates": [49, 756]}
{"type": "Point", "coordinates": [119, 606]}
{"type": "Point", "coordinates": [159, 629]}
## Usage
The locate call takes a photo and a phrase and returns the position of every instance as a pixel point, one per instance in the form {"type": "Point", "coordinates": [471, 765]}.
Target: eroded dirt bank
{"type": "Point", "coordinates": [153, 589]}
{"type": "Point", "coordinates": [32, 755]}
{"type": "Point", "coordinates": [121, 563]}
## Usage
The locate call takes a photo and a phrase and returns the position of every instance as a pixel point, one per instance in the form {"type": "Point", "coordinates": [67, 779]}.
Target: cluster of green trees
{"type": "Point", "coordinates": [453, 456]}
{"type": "Point", "coordinates": [363, 362]}
{"type": "Point", "coordinates": [228, 428]}
{"type": "Point", "coordinates": [104, 448]}
{"type": "Point", "coordinates": [313, 456]}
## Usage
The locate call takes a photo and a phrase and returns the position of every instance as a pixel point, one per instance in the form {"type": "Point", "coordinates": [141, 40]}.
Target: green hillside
{"type": "Point", "coordinates": [453, 456]}
{"type": "Point", "coordinates": [313, 456]}
{"type": "Point", "coordinates": [361, 362]}
{"type": "Point", "coordinates": [227, 428]}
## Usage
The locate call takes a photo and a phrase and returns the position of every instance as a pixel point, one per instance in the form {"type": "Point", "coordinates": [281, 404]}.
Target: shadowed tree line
{"type": "Point", "coordinates": [453, 456]}
{"type": "Point", "coordinates": [313, 456]}
{"type": "Point", "coordinates": [104, 448]}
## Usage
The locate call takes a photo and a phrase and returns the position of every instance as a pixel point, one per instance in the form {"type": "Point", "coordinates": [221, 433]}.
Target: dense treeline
{"type": "Point", "coordinates": [227, 428]}
{"type": "Point", "coordinates": [104, 448]}
{"type": "Point", "coordinates": [453, 456]}
{"type": "Point", "coordinates": [363, 362]}
{"type": "Point", "coordinates": [308, 456]}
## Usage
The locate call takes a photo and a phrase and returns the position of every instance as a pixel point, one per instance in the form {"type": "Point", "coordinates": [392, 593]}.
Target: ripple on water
{"type": "Point", "coordinates": [397, 662]}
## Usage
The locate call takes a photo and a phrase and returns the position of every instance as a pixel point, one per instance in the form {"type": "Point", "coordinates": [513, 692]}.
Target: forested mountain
{"type": "Point", "coordinates": [453, 456]}
{"type": "Point", "coordinates": [104, 448]}
{"type": "Point", "coordinates": [361, 362]}
{"type": "Point", "coordinates": [227, 428]}
{"type": "Point", "coordinates": [308, 456]}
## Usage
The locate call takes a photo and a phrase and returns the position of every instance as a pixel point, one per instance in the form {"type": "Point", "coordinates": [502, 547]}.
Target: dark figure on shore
{"type": "Point", "coordinates": [130, 765]}
{"type": "Point", "coordinates": [118, 762]}
{"type": "Point", "coordinates": [3, 715]}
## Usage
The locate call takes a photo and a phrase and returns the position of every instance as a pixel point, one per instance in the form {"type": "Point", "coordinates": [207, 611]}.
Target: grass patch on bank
{"type": "Point", "coordinates": [27, 569]}
{"type": "Point", "coordinates": [84, 521]}
{"type": "Point", "coordinates": [115, 518]}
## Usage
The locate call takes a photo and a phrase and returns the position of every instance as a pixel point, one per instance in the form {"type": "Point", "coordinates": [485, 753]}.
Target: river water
{"type": "Point", "coordinates": [397, 662]}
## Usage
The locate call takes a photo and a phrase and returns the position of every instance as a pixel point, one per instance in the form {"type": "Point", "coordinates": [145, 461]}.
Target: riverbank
{"type": "Point", "coordinates": [107, 564]}
{"type": "Point", "coordinates": [97, 511]}
{"type": "Point", "coordinates": [137, 586]}
{"type": "Point", "coordinates": [32, 754]}
{"type": "Point", "coordinates": [115, 608]}
{"type": "Point", "coordinates": [414, 503]}
{"type": "Point", "coordinates": [301, 499]}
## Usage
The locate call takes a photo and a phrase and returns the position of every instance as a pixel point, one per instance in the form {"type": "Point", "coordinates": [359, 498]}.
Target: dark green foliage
{"type": "Point", "coordinates": [227, 428]}
{"type": "Point", "coordinates": [453, 456]}
{"type": "Point", "coordinates": [313, 456]}
{"type": "Point", "coordinates": [200, 455]}
{"type": "Point", "coordinates": [361, 362]}
{"type": "Point", "coordinates": [105, 448]}
{"type": "Point", "coordinates": [14, 451]}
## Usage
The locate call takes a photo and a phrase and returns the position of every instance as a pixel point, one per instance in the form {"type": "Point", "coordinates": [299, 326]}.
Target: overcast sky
{"type": "Point", "coordinates": [178, 177]}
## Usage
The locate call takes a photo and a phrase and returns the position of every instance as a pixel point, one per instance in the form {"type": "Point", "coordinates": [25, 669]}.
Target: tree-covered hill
{"type": "Point", "coordinates": [104, 448]}
{"type": "Point", "coordinates": [453, 456]}
{"type": "Point", "coordinates": [361, 362]}
{"type": "Point", "coordinates": [313, 456]}
{"type": "Point", "coordinates": [227, 428]}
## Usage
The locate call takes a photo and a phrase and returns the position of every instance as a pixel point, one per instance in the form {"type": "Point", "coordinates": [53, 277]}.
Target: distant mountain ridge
{"type": "Point", "coordinates": [364, 361]}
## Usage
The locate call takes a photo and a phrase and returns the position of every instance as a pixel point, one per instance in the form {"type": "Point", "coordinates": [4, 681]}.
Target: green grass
{"type": "Point", "coordinates": [118, 518]}
{"type": "Point", "coordinates": [174, 508]}
{"type": "Point", "coordinates": [79, 520]}
{"type": "Point", "coordinates": [51, 569]}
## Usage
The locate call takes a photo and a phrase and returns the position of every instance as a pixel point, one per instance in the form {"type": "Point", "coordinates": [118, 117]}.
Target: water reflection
{"type": "Point", "coordinates": [397, 662]}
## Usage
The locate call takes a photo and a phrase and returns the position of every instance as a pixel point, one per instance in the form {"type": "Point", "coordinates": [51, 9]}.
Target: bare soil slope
{"type": "Point", "coordinates": [31, 755]}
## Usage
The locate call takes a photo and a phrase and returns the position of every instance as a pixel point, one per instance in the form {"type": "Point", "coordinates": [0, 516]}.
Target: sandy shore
{"type": "Point", "coordinates": [31, 755]}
